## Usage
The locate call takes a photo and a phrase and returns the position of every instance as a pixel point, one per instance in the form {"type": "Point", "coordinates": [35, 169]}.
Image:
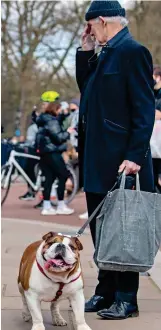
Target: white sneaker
{"type": "Point", "coordinates": [64, 210]}
{"type": "Point", "coordinates": [83, 216]}
{"type": "Point", "coordinates": [50, 211]}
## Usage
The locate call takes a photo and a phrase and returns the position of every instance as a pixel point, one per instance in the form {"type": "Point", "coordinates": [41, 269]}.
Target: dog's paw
{"type": "Point", "coordinates": [59, 321]}
{"type": "Point", "coordinates": [83, 327]}
{"type": "Point", "coordinates": [39, 326]}
{"type": "Point", "coordinates": [26, 316]}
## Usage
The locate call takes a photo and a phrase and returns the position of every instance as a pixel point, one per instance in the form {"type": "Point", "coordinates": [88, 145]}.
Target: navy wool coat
{"type": "Point", "coordinates": [117, 112]}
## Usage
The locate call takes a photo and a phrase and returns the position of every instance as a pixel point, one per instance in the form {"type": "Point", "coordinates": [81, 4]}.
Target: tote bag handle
{"type": "Point", "coordinates": [123, 179]}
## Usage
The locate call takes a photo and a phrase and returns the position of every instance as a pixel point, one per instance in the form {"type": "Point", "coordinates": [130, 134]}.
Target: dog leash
{"type": "Point", "coordinates": [82, 229]}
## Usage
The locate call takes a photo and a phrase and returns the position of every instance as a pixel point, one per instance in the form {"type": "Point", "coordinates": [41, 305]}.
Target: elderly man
{"type": "Point", "coordinates": [116, 120]}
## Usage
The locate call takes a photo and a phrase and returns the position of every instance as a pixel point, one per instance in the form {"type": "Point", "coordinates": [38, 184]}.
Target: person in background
{"type": "Point", "coordinates": [14, 140]}
{"type": "Point", "coordinates": [51, 141]}
{"type": "Point", "coordinates": [83, 216]}
{"type": "Point", "coordinates": [65, 116]}
{"type": "Point", "coordinates": [32, 129]}
{"type": "Point", "coordinates": [157, 93]}
{"type": "Point", "coordinates": [74, 109]}
{"type": "Point", "coordinates": [21, 139]}
{"type": "Point", "coordinates": [46, 98]}
{"type": "Point", "coordinates": [30, 163]}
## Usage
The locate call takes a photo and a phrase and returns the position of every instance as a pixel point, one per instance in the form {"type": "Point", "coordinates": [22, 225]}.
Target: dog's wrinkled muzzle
{"type": "Point", "coordinates": [60, 249]}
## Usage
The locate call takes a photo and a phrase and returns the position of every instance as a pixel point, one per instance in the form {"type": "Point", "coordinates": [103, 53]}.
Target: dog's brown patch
{"type": "Point", "coordinates": [75, 242]}
{"type": "Point", "coordinates": [26, 263]}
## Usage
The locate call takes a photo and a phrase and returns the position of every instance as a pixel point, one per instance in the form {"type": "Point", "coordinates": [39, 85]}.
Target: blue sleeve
{"type": "Point", "coordinates": [142, 103]}
{"type": "Point", "coordinates": [82, 67]}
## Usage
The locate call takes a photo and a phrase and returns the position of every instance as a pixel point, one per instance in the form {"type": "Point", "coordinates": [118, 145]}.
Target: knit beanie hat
{"type": "Point", "coordinates": [75, 101]}
{"type": "Point", "coordinates": [104, 8]}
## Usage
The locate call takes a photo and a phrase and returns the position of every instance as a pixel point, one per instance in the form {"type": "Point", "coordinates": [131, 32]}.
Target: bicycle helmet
{"type": "Point", "coordinates": [50, 96]}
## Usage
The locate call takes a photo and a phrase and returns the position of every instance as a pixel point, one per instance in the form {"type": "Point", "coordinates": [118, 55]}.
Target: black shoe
{"type": "Point", "coordinates": [27, 197]}
{"type": "Point", "coordinates": [119, 311]}
{"type": "Point", "coordinates": [39, 205]}
{"type": "Point", "coordinates": [94, 304]}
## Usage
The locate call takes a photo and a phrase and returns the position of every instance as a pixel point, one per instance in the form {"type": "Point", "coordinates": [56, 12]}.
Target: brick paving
{"type": "Point", "coordinates": [15, 208]}
{"type": "Point", "coordinates": [18, 233]}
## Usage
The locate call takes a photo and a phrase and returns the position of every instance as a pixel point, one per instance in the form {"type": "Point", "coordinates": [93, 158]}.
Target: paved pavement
{"type": "Point", "coordinates": [14, 208]}
{"type": "Point", "coordinates": [18, 233]}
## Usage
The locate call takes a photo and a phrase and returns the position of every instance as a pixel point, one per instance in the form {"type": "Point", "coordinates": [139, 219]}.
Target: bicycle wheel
{"type": "Point", "coordinates": [71, 190]}
{"type": "Point", "coordinates": [5, 182]}
{"type": "Point", "coordinates": [71, 186]}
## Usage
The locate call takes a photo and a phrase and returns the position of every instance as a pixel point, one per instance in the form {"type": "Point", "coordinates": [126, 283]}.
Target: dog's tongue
{"type": "Point", "coordinates": [55, 262]}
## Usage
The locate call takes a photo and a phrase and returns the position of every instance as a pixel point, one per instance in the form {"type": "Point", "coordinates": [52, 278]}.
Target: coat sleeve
{"type": "Point", "coordinates": [56, 133]}
{"type": "Point", "coordinates": [142, 104]}
{"type": "Point", "coordinates": [31, 134]}
{"type": "Point", "coordinates": [83, 69]}
{"type": "Point", "coordinates": [158, 105]}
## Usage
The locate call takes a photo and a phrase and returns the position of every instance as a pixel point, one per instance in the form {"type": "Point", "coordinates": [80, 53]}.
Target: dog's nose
{"type": "Point", "coordinates": [60, 246]}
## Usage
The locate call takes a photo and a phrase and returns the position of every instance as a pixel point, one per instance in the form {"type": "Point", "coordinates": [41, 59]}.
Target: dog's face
{"type": "Point", "coordinates": [60, 252]}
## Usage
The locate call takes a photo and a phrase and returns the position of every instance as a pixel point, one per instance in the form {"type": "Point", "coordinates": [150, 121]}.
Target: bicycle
{"type": "Point", "coordinates": [12, 164]}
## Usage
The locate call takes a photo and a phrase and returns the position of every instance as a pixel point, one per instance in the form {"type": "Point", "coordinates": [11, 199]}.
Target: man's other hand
{"type": "Point", "coordinates": [129, 167]}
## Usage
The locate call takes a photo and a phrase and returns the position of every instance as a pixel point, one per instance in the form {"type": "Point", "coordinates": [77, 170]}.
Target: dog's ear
{"type": "Point", "coordinates": [79, 244]}
{"type": "Point", "coordinates": [48, 235]}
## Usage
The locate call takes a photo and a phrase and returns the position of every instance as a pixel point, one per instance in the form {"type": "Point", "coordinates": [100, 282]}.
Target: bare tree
{"type": "Point", "coordinates": [145, 21]}
{"type": "Point", "coordinates": [39, 40]}
{"type": "Point", "coordinates": [38, 34]}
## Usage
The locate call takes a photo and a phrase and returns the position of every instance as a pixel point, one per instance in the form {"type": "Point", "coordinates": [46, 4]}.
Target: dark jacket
{"type": "Point", "coordinates": [116, 111]}
{"type": "Point", "coordinates": [50, 136]}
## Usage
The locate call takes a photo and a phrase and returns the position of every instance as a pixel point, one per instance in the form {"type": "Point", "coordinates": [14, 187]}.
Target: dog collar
{"type": "Point", "coordinates": [61, 284]}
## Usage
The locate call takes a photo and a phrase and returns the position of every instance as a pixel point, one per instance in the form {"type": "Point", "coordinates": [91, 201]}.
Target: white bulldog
{"type": "Point", "coordinates": [50, 270]}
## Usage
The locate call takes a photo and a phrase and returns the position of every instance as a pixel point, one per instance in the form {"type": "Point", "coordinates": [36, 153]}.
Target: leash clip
{"type": "Point", "coordinates": [77, 234]}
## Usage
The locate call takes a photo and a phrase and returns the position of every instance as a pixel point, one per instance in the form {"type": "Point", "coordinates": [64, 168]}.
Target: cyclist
{"type": "Point", "coordinates": [50, 143]}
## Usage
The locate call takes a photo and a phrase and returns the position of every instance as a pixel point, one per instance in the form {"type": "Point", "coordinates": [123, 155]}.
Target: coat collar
{"type": "Point", "coordinates": [118, 38]}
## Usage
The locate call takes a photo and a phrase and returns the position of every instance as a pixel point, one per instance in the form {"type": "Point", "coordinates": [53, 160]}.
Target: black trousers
{"type": "Point", "coordinates": [29, 169]}
{"type": "Point", "coordinates": [53, 166]}
{"type": "Point", "coordinates": [157, 172]}
{"type": "Point", "coordinates": [109, 282]}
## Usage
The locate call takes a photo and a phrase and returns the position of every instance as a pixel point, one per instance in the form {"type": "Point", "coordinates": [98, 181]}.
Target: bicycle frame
{"type": "Point", "coordinates": [13, 163]}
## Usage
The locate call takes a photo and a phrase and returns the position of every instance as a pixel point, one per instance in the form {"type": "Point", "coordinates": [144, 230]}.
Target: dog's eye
{"type": "Point", "coordinates": [48, 245]}
{"type": "Point", "coordinates": [72, 247]}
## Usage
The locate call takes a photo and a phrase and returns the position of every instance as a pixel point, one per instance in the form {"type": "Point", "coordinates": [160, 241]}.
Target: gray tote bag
{"type": "Point", "coordinates": [128, 229]}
